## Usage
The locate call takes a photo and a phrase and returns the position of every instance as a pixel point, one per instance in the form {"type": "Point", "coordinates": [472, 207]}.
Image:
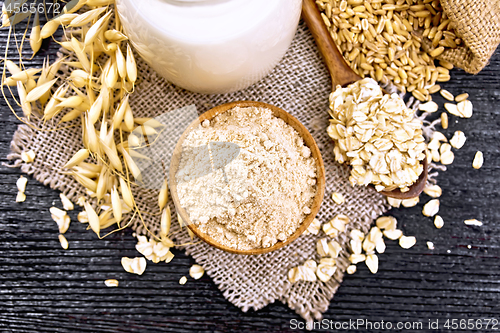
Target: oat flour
{"type": "Point", "coordinates": [263, 184]}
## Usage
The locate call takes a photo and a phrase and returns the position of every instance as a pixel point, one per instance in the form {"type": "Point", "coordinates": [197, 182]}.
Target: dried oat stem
{"type": "Point", "coordinates": [91, 95]}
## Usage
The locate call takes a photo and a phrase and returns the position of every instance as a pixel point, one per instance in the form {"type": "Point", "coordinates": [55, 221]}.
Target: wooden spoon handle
{"type": "Point", "coordinates": [339, 70]}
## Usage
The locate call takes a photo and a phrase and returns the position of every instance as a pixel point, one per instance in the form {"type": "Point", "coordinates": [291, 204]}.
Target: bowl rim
{"type": "Point", "coordinates": [308, 140]}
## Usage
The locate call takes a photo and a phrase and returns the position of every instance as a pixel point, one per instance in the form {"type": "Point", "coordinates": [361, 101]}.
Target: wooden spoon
{"type": "Point", "coordinates": [343, 75]}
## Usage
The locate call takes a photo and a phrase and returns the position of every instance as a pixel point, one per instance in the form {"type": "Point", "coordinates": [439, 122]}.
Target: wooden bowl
{"type": "Point", "coordinates": [290, 120]}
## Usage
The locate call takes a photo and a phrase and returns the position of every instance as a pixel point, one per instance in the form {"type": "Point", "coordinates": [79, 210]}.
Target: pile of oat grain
{"type": "Point", "coordinates": [393, 41]}
{"type": "Point", "coordinates": [263, 195]}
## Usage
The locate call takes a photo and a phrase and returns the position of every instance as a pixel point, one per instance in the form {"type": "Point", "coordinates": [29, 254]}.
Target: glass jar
{"type": "Point", "coordinates": [211, 46]}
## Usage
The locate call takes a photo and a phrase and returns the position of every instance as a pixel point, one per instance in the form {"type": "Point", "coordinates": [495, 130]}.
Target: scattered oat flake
{"type": "Point", "coordinates": [62, 222]}
{"type": "Point", "coordinates": [445, 147]}
{"type": "Point", "coordinates": [293, 275]}
{"type": "Point", "coordinates": [396, 203]}
{"type": "Point", "coordinates": [20, 197]}
{"type": "Point", "coordinates": [372, 263]}
{"type": "Point", "coordinates": [393, 234]}
{"type": "Point", "coordinates": [111, 283]}
{"type": "Point", "coordinates": [438, 222]}
{"type": "Point", "coordinates": [196, 272]}
{"type": "Point", "coordinates": [428, 155]}
{"type": "Point", "coordinates": [311, 264]}
{"type": "Point", "coordinates": [21, 184]}
{"type": "Point", "coordinates": [430, 245]}
{"type": "Point", "coordinates": [357, 234]}
{"type": "Point", "coordinates": [438, 136]}
{"type": "Point", "coordinates": [380, 247]}
{"type": "Point", "coordinates": [28, 156]}
{"type": "Point", "coordinates": [357, 258]}
{"type": "Point", "coordinates": [428, 107]}
{"type": "Point", "coordinates": [435, 155]}
{"type": "Point", "coordinates": [431, 208]}
{"type": "Point", "coordinates": [473, 222]}
{"type": "Point", "coordinates": [339, 222]}
{"type": "Point", "coordinates": [434, 144]}
{"type": "Point", "coordinates": [83, 217]}
{"type": "Point", "coordinates": [338, 198]}
{"type": "Point", "coordinates": [374, 235]}
{"type": "Point", "coordinates": [351, 269]}
{"type": "Point", "coordinates": [465, 109]}
{"type": "Point", "coordinates": [458, 140]}
{"type": "Point", "coordinates": [322, 247]}
{"type": "Point", "coordinates": [313, 227]}
{"type": "Point", "coordinates": [183, 280]}
{"type": "Point", "coordinates": [307, 274]}
{"type": "Point", "coordinates": [324, 272]}
{"type": "Point", "coordinates": [327, 261]}
{"type": "Point", "coordinates": [356, 246]}
{"type": "Point", "coordinates": [134, 265]}
{"type": "Point", "coordinates": [334, 249]}
{"type": "Point", "coordinates": [329, 230]}
{"type": "Point", "coordinates": [64, 242]}
{"type": "Point", "coordinates": [407, 241]}
{"type": "Point", "coordinates": [410, 202]}
{"type": "Point", "coordinates": [478, 161]}
{"type": "Point", "coordinates": [447, 157]}
{"type": "Point", "coordinates": [67, 204]}
{"type": "Point", "coordinates": [433, 191]}
{"type": "Point", "coordinates": [81, 201]}
{"type": "Point", "coordinates": [57, 212]}
{"type": "Point", "coordinates": [452, 108]}
{"type": "Point", "coordinates": [169, 257]}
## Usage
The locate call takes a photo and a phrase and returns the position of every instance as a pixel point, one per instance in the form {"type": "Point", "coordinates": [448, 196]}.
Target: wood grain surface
{"type": "Point", "coordinates": [44, 288]}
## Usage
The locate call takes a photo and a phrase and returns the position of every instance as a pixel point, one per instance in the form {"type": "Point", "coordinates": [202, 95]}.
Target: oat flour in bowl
{"type": "Point", "coordinates": [246, 178]}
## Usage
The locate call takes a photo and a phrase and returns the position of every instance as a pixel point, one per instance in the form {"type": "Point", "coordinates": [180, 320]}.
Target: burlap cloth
{"type": "Point", "coordinates": [477, 22]}
{"type": "Point", "coordinates": [301, 85]}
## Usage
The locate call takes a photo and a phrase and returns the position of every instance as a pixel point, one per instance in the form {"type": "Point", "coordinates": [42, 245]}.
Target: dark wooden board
{"type": "Point", "coordinates": [44, 288]}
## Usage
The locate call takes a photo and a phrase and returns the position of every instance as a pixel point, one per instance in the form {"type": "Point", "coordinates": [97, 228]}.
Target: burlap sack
{"type": "Point", "coordinates": [477, 22]}
{"type": "Point", "coordinates": [301, 85]}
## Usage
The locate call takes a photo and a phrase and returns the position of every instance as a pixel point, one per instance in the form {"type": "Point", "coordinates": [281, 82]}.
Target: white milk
{"type": "Point", "coordinates": [211, 46]}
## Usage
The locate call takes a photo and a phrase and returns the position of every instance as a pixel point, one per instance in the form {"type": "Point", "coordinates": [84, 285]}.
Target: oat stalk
{"type": "Point", "coordinates": [95, 97]}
